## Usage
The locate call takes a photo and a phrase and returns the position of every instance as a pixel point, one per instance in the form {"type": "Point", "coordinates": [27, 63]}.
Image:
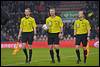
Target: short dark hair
{"type": "Point", "coordinates": [83, 12]}
{"type": "Point", "coordinates": [52, 8]}
{"type": "Point", "coordinates": [28, 9]}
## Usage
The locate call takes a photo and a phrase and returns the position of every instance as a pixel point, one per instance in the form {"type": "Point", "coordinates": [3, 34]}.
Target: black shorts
{"type": "Point", "coordinates": [81, 38]}
{"type": "Point", "coordinates": [53, 38]}
{"type": "Point", "coordinates": [27, 37]}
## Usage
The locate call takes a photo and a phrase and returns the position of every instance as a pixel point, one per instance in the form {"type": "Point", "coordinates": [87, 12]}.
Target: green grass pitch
{"type": "Point", "coordinates": [41, 57]}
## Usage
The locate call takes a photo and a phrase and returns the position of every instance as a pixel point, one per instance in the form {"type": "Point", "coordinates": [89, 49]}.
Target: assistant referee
{"type": "Point", "coordinates": [27, 26]}
{"type": "Point", "coordinates": [82, 34]}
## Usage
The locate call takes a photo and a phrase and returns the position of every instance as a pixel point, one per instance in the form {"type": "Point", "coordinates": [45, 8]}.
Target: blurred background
{"type": "Point", "coordinates": [12, 12]}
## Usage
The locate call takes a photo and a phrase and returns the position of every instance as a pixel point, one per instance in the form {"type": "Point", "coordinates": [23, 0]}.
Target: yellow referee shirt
{"type": "Point", "coordinates": [82, 26]}
{"type": "Point", "coordinates": [27, 24]}
{"type": "Point", "coordinates": [54, 24]}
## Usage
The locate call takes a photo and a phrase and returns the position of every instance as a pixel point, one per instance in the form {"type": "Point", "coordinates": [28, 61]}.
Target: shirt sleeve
{"type": "Point", "coordinates": [47, 21]}
{"type": "Point", "coordinates": [61, 23]}
{"type": "Point", "coordinates": [75, 25]}
{"type": "Point", "coordinates": [21, 24]}
{"type": "Point", "coordinates": [34, 23]}
{"type": "Point", "coordinates": [88, 25]}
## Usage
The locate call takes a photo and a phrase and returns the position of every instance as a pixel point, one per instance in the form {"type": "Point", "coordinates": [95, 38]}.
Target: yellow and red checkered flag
{"type": "Point", "coordinates": [16, 49]}
{"type": "Point", "coordinates": [87, 48]}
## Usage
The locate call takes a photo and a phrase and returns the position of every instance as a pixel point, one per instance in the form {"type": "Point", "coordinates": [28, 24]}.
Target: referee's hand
{"type": "Point", "coordinates": [60, 35]}
{"type": "Point", "coordinates": [88, 38]}
{"type": "Point", "coordinates": [19, 37]}
{"type": "Point", "coordinates": [34, 37]}
{"type": "Point", "coordinates": [74, 40]}
{"type": "Point", "coordinates": [74, 37]}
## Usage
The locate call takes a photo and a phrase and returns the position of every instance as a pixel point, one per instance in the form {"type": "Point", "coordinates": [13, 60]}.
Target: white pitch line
{"type": "Point", "coordinates": [44, 60]}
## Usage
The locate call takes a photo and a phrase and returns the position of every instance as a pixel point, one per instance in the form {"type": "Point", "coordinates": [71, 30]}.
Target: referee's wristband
{"type": "Point", "coordinates": [74, 35]}
{"type": "Point", "coordinates": [34, 34]}
{"type": "Point", "coordinates": [88, 36]}
{"type": "Point", "coordinates": [61, 32]}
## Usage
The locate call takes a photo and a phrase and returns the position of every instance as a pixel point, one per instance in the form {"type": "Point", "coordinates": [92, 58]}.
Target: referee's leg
{"type": "Point", "coordinates": [56, 45]}
{"type": "Point", "coordinates": [84, 42]}
{"type": "Point", "coordinates": [78, 40]}
{"type": "Point", "coordinates": [30, 52]}
{"type": "Point", "coordinates": [51, 52]}
{"type": "Point", "coordinates": [78, 53]}
{"type": "Point", "coordinates": [30, 40]}
{"type": "Point", "coordinates": [25, 51]}
{"type": "Point", "coordinates": [85, 53]}
{"type": "Point", "coordinates": [57, 52]}
{"type": "Point", "coordinates": [24, 40]}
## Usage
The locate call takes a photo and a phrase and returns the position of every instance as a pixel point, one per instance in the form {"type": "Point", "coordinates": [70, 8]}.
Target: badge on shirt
{"type": "Point", "coordinates": [77, 25]}
{"type": "Point", "coordinates": [50, 23]}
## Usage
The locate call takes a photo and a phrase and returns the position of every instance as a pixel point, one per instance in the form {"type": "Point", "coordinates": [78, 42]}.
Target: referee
{"type": "Point", "coordinates": [81, 33]}
{"type": "Point", "coordinates": [54, 32]}
{"type": "Point", "coordinates": [27, 26]}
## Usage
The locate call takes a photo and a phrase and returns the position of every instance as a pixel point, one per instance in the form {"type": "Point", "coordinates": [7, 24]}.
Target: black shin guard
{"type": "Point", "coordinates": [57, 51]}
{"type": "Point", "coordinates": [25, 52]}
{"type": "Point", "coordinates": [85, 53]}
{"type": "Point", "coordinates": [30, 54]}
{"type": "Point", "coordinates": [58, 57]}
{"type": "Point", "coordinates": [52, 55]}
{"type": "Point", "coordinates": [78, 54]}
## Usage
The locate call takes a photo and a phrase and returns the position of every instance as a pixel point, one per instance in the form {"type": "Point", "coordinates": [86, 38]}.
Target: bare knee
{"type": "Point", "coordinates": [56, 46]}
{"type": "Point", "coordinates": [84, 48]}
{"type": "Point", "coordinates": [30, 46]}
{"type": "Point", "coordinates": [51, 47]}
{"type": "Point", "coordinates": [77, 47]}
{"type": "Point", "coordinates": [23, 45]}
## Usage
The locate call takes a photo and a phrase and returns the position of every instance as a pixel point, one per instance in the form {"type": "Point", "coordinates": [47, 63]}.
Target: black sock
{"type": "Point", "coordinates": [25, 52]}
{"type": "Point", "coordinates": [85, 53]}
{"type": "Point", "coordinates": [78, 53]}
{"type": "Point", "coordinates": [30, 54]}
{"type": "Point", "coordinates": [57, 52]}
{"type": "Point", "coordinates": [52, 55]}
